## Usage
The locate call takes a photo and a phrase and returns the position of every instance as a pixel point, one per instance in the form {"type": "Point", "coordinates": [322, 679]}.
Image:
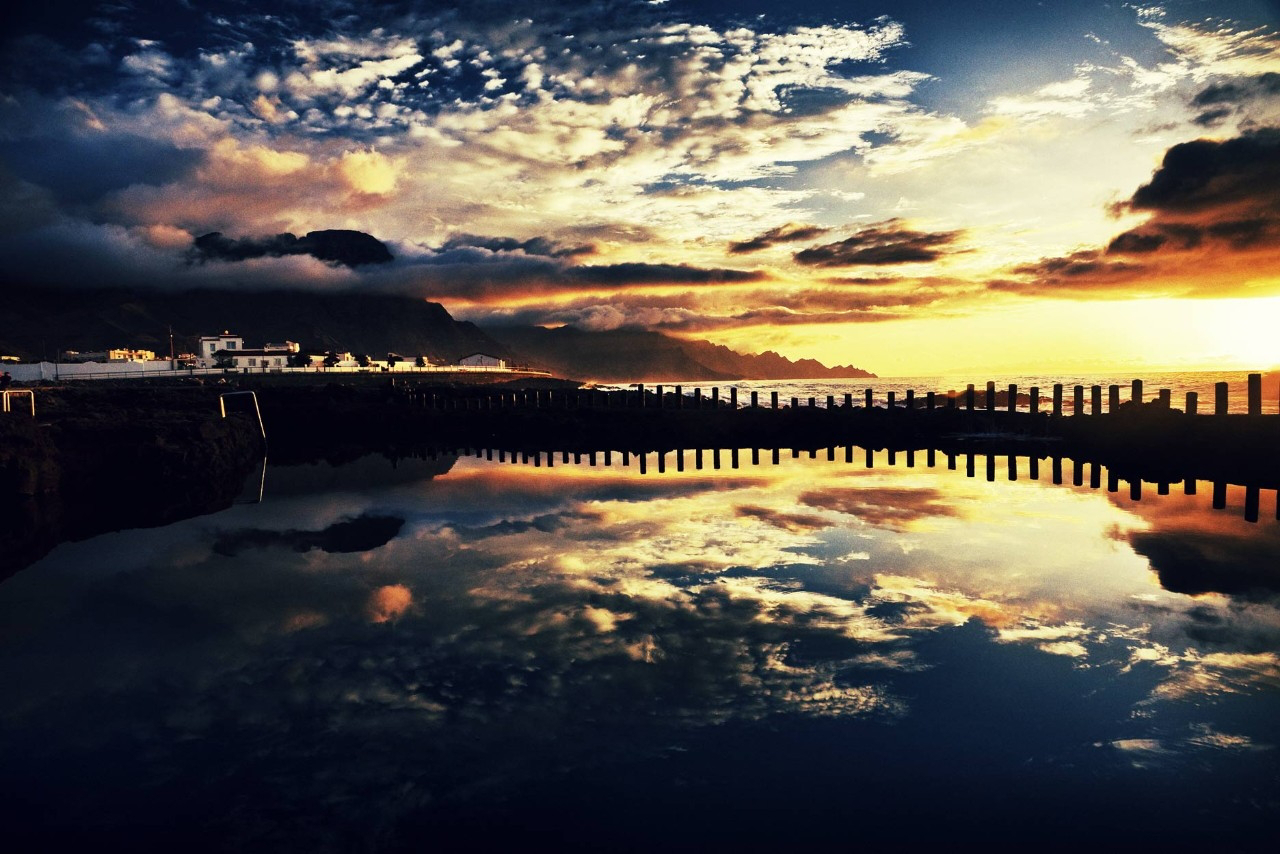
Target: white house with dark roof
{"type": "Point", "coordinates": [482, 360]}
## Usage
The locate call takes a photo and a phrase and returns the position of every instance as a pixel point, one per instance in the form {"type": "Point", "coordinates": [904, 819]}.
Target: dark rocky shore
{"type": "Point", "coordinates": [101, 457]}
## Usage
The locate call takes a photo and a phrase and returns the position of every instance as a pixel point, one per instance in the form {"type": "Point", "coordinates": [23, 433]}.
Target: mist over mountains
{"type": "Point", "coordinates": [38, 323]}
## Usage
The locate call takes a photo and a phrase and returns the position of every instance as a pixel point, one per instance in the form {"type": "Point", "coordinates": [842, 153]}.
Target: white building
{"type": "Point", "coordinates": [211, 344]}
{"type": "Point", "coordinates": [482, 360]}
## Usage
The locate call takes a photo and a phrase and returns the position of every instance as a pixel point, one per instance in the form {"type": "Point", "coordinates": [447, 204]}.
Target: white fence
{"type": "Point", "coordinates": [52, 371]}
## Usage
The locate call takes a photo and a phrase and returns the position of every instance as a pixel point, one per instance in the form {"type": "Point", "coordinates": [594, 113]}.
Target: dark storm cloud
{"type": "Point", "coordinates": [1221, 100]}
{"type": "Point", "coordinates": [1198, 562]}
{"type": "Point", "coordinates": [789, 233]}
{"type": "Point", "coordinates": [362, 534]}
{"type": "Point", "coordinates": [619, 275]}
{"type": "Point", "coordinates": [532, 246]}
{"type": "Point", "coordinates": [1205, 175]}
{"type": "Point", "coordinates": [1212, 205]}
{"type": "Point", "coordinates": [351, 248]}
{"type": "Point", "coordinates": [885, 243]}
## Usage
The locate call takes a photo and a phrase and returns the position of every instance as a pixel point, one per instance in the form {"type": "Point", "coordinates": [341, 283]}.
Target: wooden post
{"type": "Point", "coordinates": [969, 398]}
{"type": "Point", "coordinates": [697, 398]}
{"type": "Point", "coordinates": [868, 397]}
{"type": "Point", "coordinates": [640, 394]}
{"type": "Point", "coordinates": [795, 403]}
{"type": "Point", "coordinates": [1193, 401]}
{"type": "Point", "coordinates": [848, 400]}
{"type": "Point", "coordinates": [813, 401]}
{"type": "Point", "coordinates": [1165, 397]}
{"type": "Point", "coordinates": [991, 396]}
{"type": "Point", "coordinates": [679, 397]}
{"type": "Point", "coordinates": [733, 397]}
{"type": "Point", "coordinates": [715, 397]}
{"type": "Point", "coordinates": [1034, 401]}
{"type": "Point", "coordinates": [1057, 400]}
{"type": "Point", "coordinates": [831, 401]}
{"type": "Point", "coordinates": [893, 395]}
{"type": "Point", "coordinates": [1255, 394]}
{"type": "Point", "coordinates": [1113, 399]}
{"type": "Point", "coordinates": [1219, 398]}
{"type": "Point", "coordinates": [1136, 391]}
{"type": "Point", "coordinates": [911, 399]}
{"type": "Point", "coordinates": [755, 400]}
{"type": "Point", "coordinates": [773, 399]}
{"type": "Point", "coordinates": [1013, 397]}
{"type": "Point", "coordinates": [930, 400]}
{"type": "Point", "coordinates": [658, 391]}
{"type": "Point", "coordinates": [1079, 400]}
{"type": "Point", "coordinates": [1095, 392]}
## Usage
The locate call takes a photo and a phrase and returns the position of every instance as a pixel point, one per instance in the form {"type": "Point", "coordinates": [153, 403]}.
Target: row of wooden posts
{"type": "Point", "coordinates": [676, 399]}
{"type": "Point", "coordinates": [1252, 499]}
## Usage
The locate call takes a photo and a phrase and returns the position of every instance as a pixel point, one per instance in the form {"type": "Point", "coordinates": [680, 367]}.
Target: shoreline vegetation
{"type": "Point", "coordinates": [105, 456]}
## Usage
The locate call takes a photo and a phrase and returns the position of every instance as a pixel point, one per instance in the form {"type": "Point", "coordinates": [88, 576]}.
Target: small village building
{"type": "Point", "coordinates": [482, 360]}
{"type": "Point", "coordinates": [126, 355]}
{"type": "Point", "coordinates": [210, 345]}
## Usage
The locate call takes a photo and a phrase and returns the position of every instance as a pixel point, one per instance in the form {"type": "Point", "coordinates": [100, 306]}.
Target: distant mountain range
{"type": "Point", "coordinates": [38, 323]}
{"type": "Point", "coordinates": [634, 354]}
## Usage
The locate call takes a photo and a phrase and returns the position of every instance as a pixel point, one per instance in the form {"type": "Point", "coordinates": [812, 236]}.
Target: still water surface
{"type": "Point", "coordinates": [457, 653]}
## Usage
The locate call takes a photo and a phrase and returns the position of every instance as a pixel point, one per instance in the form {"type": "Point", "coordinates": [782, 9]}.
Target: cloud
{"type": "Point", "coordinates": [1213, 217]}
{"type": "Point", "coordinates": [795, 522]}
{"type": "Point", "coordinates": [883, 507]}
{"type": "Point", "coordinates": [531, 246]}
{"type": "Point", "coordinates": [789, 233]}
{"type": "Point", "coordinates": [885, 243]}
{"type": "Point", "coordinates": [351, 248]}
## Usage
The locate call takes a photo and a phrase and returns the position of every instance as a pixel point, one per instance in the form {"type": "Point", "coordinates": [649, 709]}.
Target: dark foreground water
{"type": "Point", "coordinates": [468, 655]}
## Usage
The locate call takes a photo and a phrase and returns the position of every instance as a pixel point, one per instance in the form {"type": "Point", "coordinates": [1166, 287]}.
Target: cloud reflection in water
{"type": "Point", "coordinates": [551, 627]}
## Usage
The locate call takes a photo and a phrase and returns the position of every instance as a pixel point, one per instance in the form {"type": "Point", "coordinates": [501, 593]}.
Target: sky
{"type": "Point", "coordinates": [914, 188]}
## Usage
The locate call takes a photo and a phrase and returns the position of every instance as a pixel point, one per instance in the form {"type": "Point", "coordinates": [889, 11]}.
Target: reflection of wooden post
{"type": "Point", "coordinates": [1079, 400]}
{"type": "Point", "coordinates": [951, 462]}
{"type": "Point", "coordinates": [1219, 398]}
{"type": "Point", "coordinates": [1251, 502]}
{"type": "Point", "coordinates": [1135, 393]}
{"type": "Point", "coordinates": [848, 453]}
{"type": "Point", "coordinates": [1135, 489]}
{"type": "Point", "coordinates": [893, 457]}
{"type": "Point", "coordinates": [991, 468]}
{"type": "Point", "coordinates": [1033, 467]}
{"type": "Point", "coordinates": [871, 458]}
{"type": "Point", "coordinates": [1255, 394]}
{"type": "Point", "coordinates": [679, 459]}
{"type": "Point", "coordinates": [1013, 397]}
{"type": "Point", "coordinates": [1095, 392]}
{"type": "Point", "coordinates": [831, 454]}
{"type": "Point", "coordinates": [777, 453]}
{"type": "Point", "coordinates": [1193, 400]}
{"type": "Point", "coordinates": [1057, 471]}
{"type": "Point", "coordinates": [733, 457]}
{"type": "Point", "coordinates": [1113, 399]}
{"type": "Point", "coordinates": [662, 462]}
{"type": "Point", "coordinates": [755, 456]}
{"type": "Point", "coordinates": [697, 459]}
{"type": "Point", "coordinates": [1077, 473]}
{"type": "Point", "coordinates": [1057, 400]}
{"type": "Point", "coordinates": [1113, 481]}
{"type": "Point", "coordinates": [1162, 488]}
{"type": "Point", "coordinates": [930, 458]}
{"type": "Point", "coordinates": [1219, 495]}
{"type": "Point", "coordinates": [1013, 467]}
{"type": "Point", "coordinates": [715, 458]}
{"type": "Point", "coordinates": [969, 467]}
{"type": "Point", "coordinates": [1095, 476]}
